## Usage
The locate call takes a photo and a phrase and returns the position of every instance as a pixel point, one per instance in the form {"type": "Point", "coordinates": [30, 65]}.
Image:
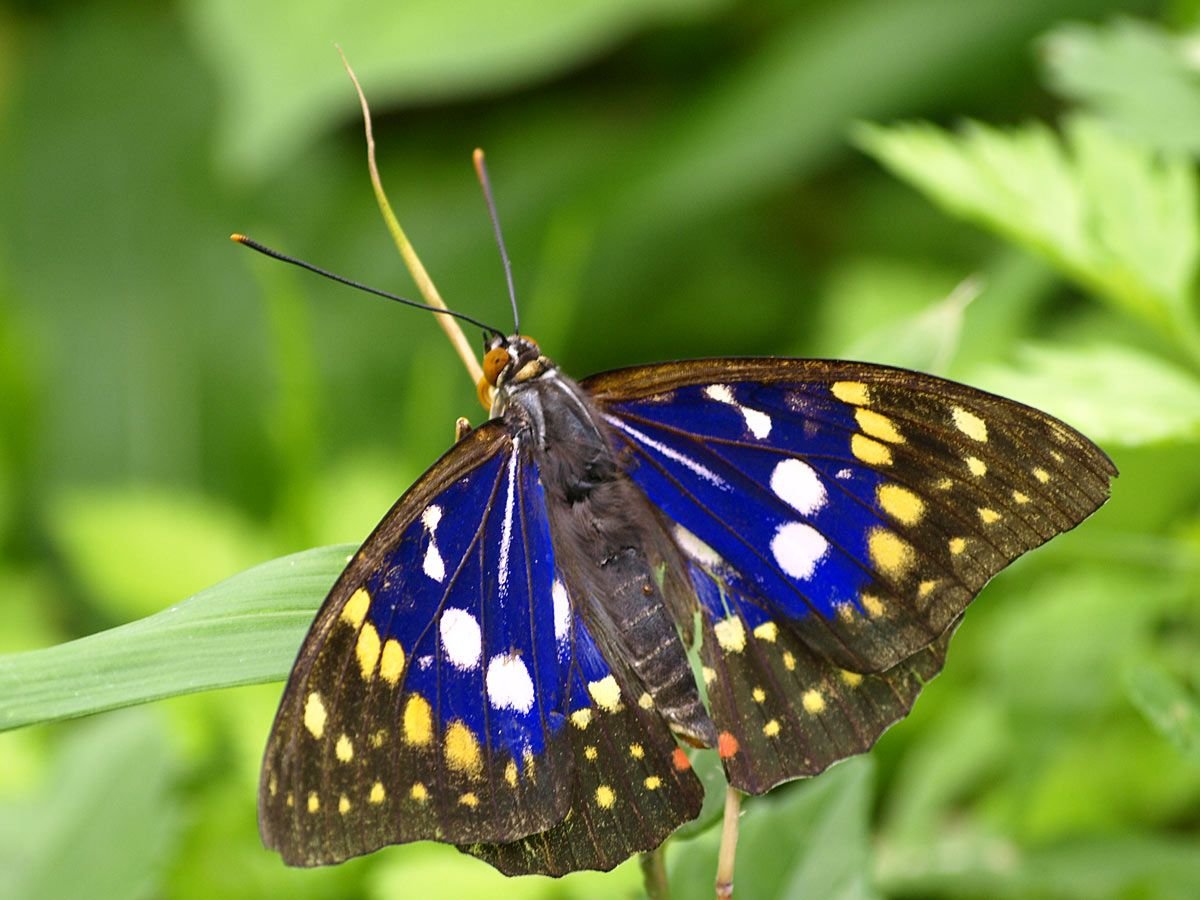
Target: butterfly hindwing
{"type": "Point", "coordinates": [784, 711]}
{"type": "Point", "coordinates": [632, 786]}
{"type": "Point", "coordinates": [429, 699]}
{"type": "Point", "coordinates": [867, 505]}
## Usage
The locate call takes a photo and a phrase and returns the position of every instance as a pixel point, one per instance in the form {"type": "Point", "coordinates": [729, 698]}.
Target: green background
{"type": "Point", "coordinates": [676, 178]}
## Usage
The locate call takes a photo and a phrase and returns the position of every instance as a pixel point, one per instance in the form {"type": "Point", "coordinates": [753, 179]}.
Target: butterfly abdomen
{"type": "Point", "coordinates": [608, 543]}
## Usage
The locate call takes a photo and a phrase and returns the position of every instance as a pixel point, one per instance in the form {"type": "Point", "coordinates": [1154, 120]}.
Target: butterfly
{"type": "Point", "coordinates": [504, 665]}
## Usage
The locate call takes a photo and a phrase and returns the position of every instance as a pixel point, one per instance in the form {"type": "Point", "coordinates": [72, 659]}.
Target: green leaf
{"type": "Point", "coordinates": [1112, 394]}
{"type": "Point", "coordinates": [808, 840]}
{"type": "Point", "coordinates": [242, 631]}
{"type": "Point", "coordinates": [278, 92]}
{"type": "Point", "coordinates": [1168, 704]}
{"type": "Point", "coordinates": [1139, 78]}
{"type": "Point", "coordinates": [1107, 213]}
{"type": "Point", "coordinates": [108, 792]}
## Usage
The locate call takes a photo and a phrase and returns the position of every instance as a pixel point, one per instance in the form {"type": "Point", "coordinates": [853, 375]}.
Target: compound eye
{"type": "Point", "coordinates": [494, 362]}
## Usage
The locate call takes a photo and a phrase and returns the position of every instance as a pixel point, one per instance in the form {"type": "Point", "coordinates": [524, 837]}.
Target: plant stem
{"type": "Point", "coordinates": [654, 873]}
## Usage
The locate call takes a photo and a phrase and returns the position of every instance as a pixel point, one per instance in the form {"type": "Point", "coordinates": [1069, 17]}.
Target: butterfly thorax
{"type": "Point", "coordinates": [623, 573]}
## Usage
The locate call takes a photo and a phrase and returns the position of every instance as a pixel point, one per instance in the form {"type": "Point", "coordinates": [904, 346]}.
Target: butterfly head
{"type": "Point", "coordinates": [508, 361]}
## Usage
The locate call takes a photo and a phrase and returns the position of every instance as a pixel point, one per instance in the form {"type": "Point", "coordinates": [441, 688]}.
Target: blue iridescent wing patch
{"type": "Point", "coordinates": [850, 512]}
{"type": "Point", "coordinates": [447, 691]}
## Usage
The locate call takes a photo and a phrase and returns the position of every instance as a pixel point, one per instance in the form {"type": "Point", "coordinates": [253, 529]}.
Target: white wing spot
{"type": "Point", "coordinates": [434, 567]}
{"type": "Point", "coordinates": [797, 484]}
{"type": "Point", "coordinates": [843, 474]}
{"type": "Point", "coordinates": [757, 421]}
{"type": "Point", "coordinates": [669, 452]}
{"type": "Point", "coordinates": [506, 531]}
{"type": "Point", "coordinates": [719, 392]}
{"type": "Point", "coordinates": [798, 548]}
{"type": "Point", "coordinates": [508, 683]}
{"type": "Point", "coordinates": [562, 610]}
{"type": "Point", "coordinates": [461, 638]}
{"type": "Point", "coordinates": [695, 548]}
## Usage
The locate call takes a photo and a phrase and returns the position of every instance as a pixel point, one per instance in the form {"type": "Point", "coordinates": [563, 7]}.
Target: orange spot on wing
{"type": "Point", "coordinates": [680, 760]}
{"type": "Point", "coordinates": [727, 745]}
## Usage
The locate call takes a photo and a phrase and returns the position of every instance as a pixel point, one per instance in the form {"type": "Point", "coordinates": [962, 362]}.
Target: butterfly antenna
{"type": "Point", "coordinates": [485, 183]}
{"type": "Point", "coordinates": [333, 276]}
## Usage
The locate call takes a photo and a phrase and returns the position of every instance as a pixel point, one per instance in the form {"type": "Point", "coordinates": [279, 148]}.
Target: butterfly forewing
{"type": "Point", "coordinates": [429, 699]}
{"type": "Point", "coordinates": [866, 505]}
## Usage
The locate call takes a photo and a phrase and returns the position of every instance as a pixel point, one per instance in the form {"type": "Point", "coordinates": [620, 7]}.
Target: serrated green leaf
{"type": "Point", "coordinates": [1135, 75]}
{"type": "Point", "coordinates": [1107, 213]}
{"type": "Point", "coordinates": [1112, 394]}
{"type": "Point", "coordinates": [242, 631]}
{"type": "Point", "coordinates": [1168, 704]}
{"type": "Point", "coordinates": [277, 92]}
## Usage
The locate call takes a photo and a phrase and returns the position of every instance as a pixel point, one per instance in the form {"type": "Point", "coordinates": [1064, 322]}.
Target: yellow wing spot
{"type": "Point", "coordinates": [646, 701]}
{"type": "Point", "coordinates": [977, 466]}
{"type": "Point", "coordinates": [944, 484]}
{"type": "Point", "coordinates": [272, 785]}
{"type": "Point", "coordinates": [758, 694]}
{"type": "Point", "coordinates": [378, 794]}
{"type": "Point", "coordinates": [510, 773]}
{"type": "Point", "coordinates": [378, 738]}
{"type": "Point", "coordinates": [731, 634]}
{"type": "Point", "coordinates": [969, 424]}
{"type": "Point", "coordinates": [606, 693]}
{"type": "Point", "coordinates": [789, 661]}
{"type": "Point", "coordinates": [771, 729]}
{"type": "Point", "coordinates": [354, 613]}
{"type": "Point", "coordinates": [891, 555]}
{"type": "Point", "coordinates": [1020, 498]}
{"type": "Point", "coordinates": [527, 759]}
{"type": "Point", "coordinates": [767, 631]}
{"type": "Point", "coordinates": [581, 718]}
{"type": "Point", "coordinates": [845, 611]}
{"type": "Point", "coordinates": [813, 702]}
{"type": "Point", "coordinates": [418, 721]}
{"type": "Point", "coordinates": [367, 650]}
{"type": "Point", "coordinates": [957, 545]}
{"type": "Point", "coordinates": [590, 753]}
{"type": "Point", "coordinates": [469, 800]}
{"type": "Point", "coordinates": [391, 663]}
{"type": "Point", "coordinates": [343, 804]}
{"type": "Point", "coordinates": [871, 452]}
{"type": "Point", "coordinates": [709, 675]}
{"type": "Point", "coordinates": [636, 751]}
{"type": "Point", "coordinates": [1041, 474]}
{"type": "Point", "coordinates": [605, 797]}
{"type": "Point", "coordinates": [989, 516]}
{"type": "Point", "coordinates": [925, 588]}
{"type": "Point", "coordinates": [873, 605]}
{"type": "Point", "coordinates": [315, 715]}
{"type": "Point", "coordinates": [419, 792]}
{"type": "Point", "coordinates": [1058, 436]}
{"type": "Point", "coordinates": [344, 748]}
{"type": "Point", "coordinates": [652, 782]}
{"type": "Point", "coordinates": [462, 750]}
{"type": "Point", "coordinates": [314, 802]}
{"type": "Point", "coordinates": [900, 503]}
{"type": "Point", "coordinates": [850, 679]}
{"type": "Point", "coordinates": [290, 800]}
{"type": "Point", "coordinates": [877, 426]}
{"type": "Point", "coordinates": [853, 392]}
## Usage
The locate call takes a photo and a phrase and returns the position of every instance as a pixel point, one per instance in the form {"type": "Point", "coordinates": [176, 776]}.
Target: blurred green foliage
{"type": "Point", "coordinates": [676, 178]}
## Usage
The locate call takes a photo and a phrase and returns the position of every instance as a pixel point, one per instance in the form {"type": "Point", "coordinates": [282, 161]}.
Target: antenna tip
{"type": "Point", "coordinates": [477, 155]}
{"type": "Point", "coordinates": [238, 238]}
